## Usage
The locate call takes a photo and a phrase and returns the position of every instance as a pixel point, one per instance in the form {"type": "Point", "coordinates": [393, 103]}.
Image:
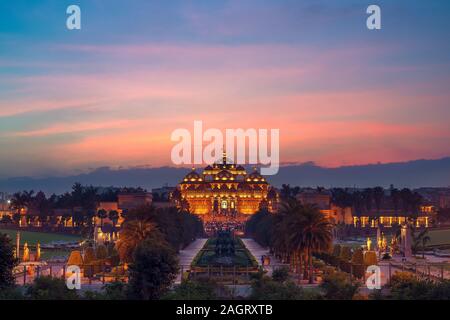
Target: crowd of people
{"type": "Point", "coordinates": [212, 227]}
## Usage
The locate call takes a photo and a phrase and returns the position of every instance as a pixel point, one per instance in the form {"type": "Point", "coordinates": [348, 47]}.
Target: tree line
{"type": "Point", "coordinates": [80, 203]}
{"type": "Point", "coordinates": [368, 199]}
{"type": "Point", "coordinates": [294, 234]}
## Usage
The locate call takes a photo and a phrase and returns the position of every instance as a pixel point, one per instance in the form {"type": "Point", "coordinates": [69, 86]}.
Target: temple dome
{"type": "Point", "coordinates": [224, 174]}
{"type": "Point", "coordinates": [244, 186]}
{"type": "Point", "coordinates": [193, 175]}
{"type": "Point", "coordinates": [255, 175]}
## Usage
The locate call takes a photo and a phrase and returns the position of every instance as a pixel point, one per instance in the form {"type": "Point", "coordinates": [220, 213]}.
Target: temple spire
{"type": "Point", "coordinates": [224, 156]}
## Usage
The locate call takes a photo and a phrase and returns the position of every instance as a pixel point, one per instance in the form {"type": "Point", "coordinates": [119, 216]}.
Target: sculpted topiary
{"type": "Point", "coordinates": [337, 250]}
{"type": "Point", "coordinates": [346, 253]}
{"type": "Point", "coordinates": [89, 255]}
{"type": "Point", "coordinates": [358, 263]}
{"type": "Point", "coordinates": [370, 258]}
{"type": "Point", "coordinates": [75, 259]}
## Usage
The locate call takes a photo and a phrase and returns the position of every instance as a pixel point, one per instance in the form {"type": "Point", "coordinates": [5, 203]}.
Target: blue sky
{"type": "Point", "coordinates": [139, 69]}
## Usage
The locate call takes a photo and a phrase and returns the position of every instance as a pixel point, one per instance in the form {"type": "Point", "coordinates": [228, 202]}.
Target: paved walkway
{"type": "Point", "coordinates": [258, 251]}
{"type": "Point", "coordinates": [188, 254]}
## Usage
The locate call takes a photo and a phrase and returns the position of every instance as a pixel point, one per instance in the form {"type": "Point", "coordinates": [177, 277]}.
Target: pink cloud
{"type": "Point", "coordinates": [135, 105]}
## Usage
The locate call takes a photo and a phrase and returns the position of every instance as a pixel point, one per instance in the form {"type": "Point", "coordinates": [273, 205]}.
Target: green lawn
{"type": "Point", "coordinates": [33, 237]}
{"type": "Point", "coordinates": [439, 237]}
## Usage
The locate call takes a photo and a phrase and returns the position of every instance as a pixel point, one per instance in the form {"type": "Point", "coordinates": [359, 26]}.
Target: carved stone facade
{"type": "Point", "coordinates": [225, 190]}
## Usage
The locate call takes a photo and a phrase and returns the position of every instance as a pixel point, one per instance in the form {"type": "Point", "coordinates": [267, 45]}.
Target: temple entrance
{"type": "Point", "coordinates": [224, 207]}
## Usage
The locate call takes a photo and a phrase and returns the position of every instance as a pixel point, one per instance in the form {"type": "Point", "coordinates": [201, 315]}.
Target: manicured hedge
{"type": "Point", "coordinates": [343, 258]}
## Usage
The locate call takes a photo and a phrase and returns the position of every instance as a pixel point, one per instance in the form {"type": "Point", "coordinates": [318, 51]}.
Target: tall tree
{"type": "Point", "coordinates": [153, 271]}
{"type": "Point", "coordinates": [132, 234]}
{"type": "Point", "coordinates": [316, 232]}
{"type": "Point", "coordinates": [378, 195]}
{"type": "Point", "coordinates": [113, 215]}
{"type": "Point", "coordinates": [7, 263]}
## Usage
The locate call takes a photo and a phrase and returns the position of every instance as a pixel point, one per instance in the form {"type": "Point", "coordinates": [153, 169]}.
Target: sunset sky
{"type": "Point", "coordinates": [112, 93]}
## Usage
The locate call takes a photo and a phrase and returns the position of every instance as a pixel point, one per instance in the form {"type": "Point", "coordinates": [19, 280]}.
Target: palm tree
{"type": "Point", "coordinates": [293, 239]}
{"type": "Point", "coordinates": [378, 194]}
{"type": "Point", "coordinates": [102, 214]}
{"type": "Point", "coordinates": [42, 207]}
{"type": "Point", "coordinates": [419, 240]}
{"type": "Point", "coordinates": [285, 192]}
{"type": "Point", "coordinates": [317, 234]}
{"type": "Point", "coordinates": [281, 242]}
{"type": "Point", "coordinates": [114, 217]}
{"type": "Point", "coordinates": [368, 195]}
{"type": "Point", "coordinates": [124, 214]}
{"type": "Point", "coordinates": [395, 196]}
{"type": "Point", "coordinates": [21, 200]}
{"type": "Point", "coordinates": [425, 239]}
{"type": "Point", "coordinates": [132, 234]}
{"type": "Point", "coordinates": [289, 207]}
{"type": "Point", "coordinates": [89, 217]}
{"type": "Point", "coordinates": [301, 231]}
{"type": "Point", "coordinates": [16, 218]}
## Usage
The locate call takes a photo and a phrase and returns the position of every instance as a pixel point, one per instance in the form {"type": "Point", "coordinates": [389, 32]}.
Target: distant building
{"type": "Point", "coordinates": [444, 201]}
{"type": "Point", "coordinates": [109, 206]}
{"type": "Point", "coordinates": [389, 217]}
{"type": "Point", "coordinates": [162, 194]}
{"type": "Point", "coordinates": [322, 200]}
{"type": "Point", "coordinates": [225, 191]}
{"type": "Point", "coordinates": [385, 216]}
{"type": "Point", "coordinates": [130, 201]}
{"type": "Point", "coordinates": [319, 198]}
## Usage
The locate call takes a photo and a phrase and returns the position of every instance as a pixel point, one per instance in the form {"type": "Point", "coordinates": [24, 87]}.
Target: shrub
{"type": "Point", "coordinates": [115, 291]}
{"type": "Point", "coordinates": [267, 289]}
{"type": "Point", "coordinates": [346, 253]}
{"type": "Point", "coordinates": [386, 256]}
{"type": "Point", "coordinates": [358, 263]}
{"type": "Point", "coordinates": [345, 266]}
{"type": "Point", "coordinates": [405, 286]}
{"type": "Point", "coordinates": [7, 263]}
{"type": "Point", "coordinates": [336, 286]}
{"type": "Point", "coordinates": [280, 274]}
{"type": "Point", "coordinates": [111, 249]}
{"type": "Point", "coordinates": [194, 290]}
{"type": "Point", "coordinates": [337, 250]}
{"type": "Point", "coordinates": [48, 288]}
{"type": "Point", "coordinates": [101, 252]}
{"type": "Point", "coordinates": [154, 268]}
{"type": "Point", "coordinates": [89, 255]}
{"type": "Point", "coordinates": [11, 293]}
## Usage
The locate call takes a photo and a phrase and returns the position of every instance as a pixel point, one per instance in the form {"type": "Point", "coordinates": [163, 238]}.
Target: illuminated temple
{"type": "Point", "coordinates": [225, 190]}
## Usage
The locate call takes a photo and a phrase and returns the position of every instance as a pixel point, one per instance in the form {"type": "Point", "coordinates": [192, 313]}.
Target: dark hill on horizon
{"type": "Point", "coordinates": [412, 174]}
